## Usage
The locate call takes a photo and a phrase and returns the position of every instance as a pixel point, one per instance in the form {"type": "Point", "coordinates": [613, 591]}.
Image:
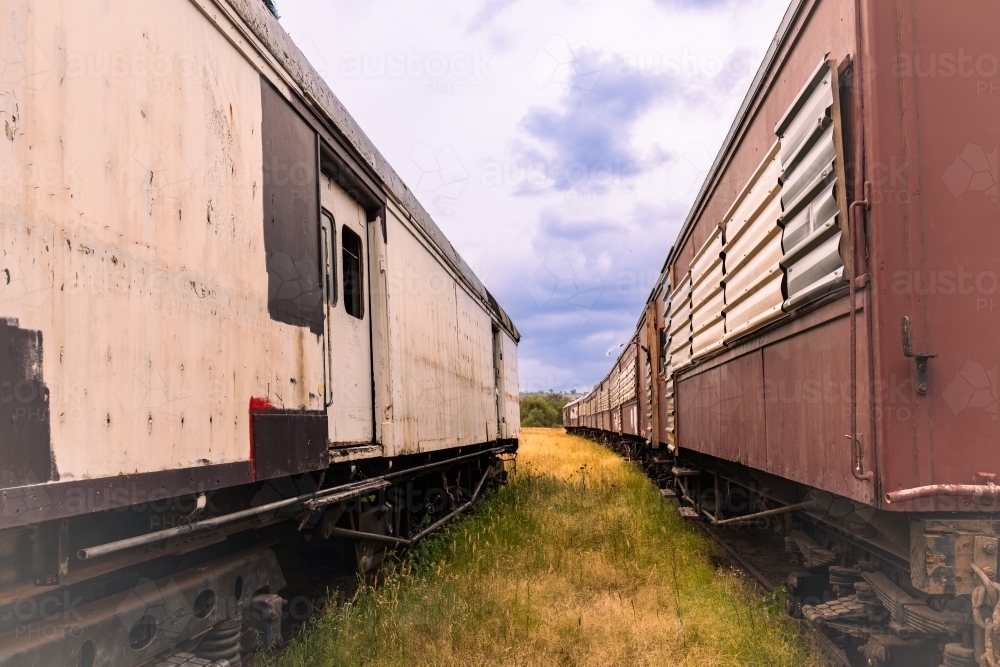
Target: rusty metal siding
{"type": "Point", "coordinates": [741, 411]}
{"type": "Point", "coordinates": [934, 237]}
{"type": "Point", "coordinates": [812, 217]}
{"type": "Point", "coordinates": [722, 412]}
{"type": "Point", "coordinates": [697, 411]}
{"type": "Point", "coordinates": [708, 322]}
{"type": "Point", "coordinates": [665, 391]}
{"type": "Point", "coordinates": [613, 405]}
{"type": "Point", "coordinates": [680, 324]}
{"type": "Point", "coordinates": [753, 279]}
{"type": "Point", "coordinates": [816, 28]}
{"type": "Point", "coordinates": [806, 397]}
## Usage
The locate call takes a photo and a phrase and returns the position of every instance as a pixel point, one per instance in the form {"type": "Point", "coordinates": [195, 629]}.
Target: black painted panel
{"type": "Point", "coordinates": [289, 443]}
{"type": "Point", "coordinates": [45, 502]}
{"type": "Point", "coordinates": [291, 214]}
{"type": "Point", "coordinates": [25, 435]}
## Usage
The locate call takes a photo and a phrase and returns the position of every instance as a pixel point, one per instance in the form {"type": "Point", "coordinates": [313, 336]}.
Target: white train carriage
{"type": "Point", "coordinates": [209, 278]}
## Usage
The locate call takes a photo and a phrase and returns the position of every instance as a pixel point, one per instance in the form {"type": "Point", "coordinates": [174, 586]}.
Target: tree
{"type": "Point", "coordinates": [543, 409]}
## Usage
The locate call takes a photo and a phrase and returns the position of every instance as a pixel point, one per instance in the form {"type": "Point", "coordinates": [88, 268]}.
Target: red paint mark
{"type": "Point", "coordinates": [257, 406]}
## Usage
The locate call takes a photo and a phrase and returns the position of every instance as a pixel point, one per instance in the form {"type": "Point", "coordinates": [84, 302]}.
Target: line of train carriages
{"type": "Point", "coordinates": [229, 336]}
{"type": "Point", "coordinates": [848, 224]}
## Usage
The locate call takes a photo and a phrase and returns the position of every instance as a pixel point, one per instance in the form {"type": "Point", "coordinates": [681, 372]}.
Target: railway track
{"type": "Point", "coordinates": [838, 589]}
{"type": "Point", "coordinates": [835, 655]}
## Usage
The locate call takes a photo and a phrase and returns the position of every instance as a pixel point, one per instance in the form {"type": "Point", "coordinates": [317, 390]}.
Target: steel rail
{"type": "Point", "coordinates": [362, 487]}
{"type": "Point", "coordinates": [833, 651]}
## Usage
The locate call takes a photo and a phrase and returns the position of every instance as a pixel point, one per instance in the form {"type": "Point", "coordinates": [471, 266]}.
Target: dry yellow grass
{"type": "Point", "coordinates": [578, 561]}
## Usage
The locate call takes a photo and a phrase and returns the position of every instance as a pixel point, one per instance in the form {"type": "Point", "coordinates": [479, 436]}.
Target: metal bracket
{"type": "Point", "coordinates": [985, 554]}
{"type": "Point", "coordinates": [923, 377]}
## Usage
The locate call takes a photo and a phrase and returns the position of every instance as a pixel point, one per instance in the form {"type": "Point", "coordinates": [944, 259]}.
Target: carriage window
{"type": "Point", "coordinates": [353, 277]}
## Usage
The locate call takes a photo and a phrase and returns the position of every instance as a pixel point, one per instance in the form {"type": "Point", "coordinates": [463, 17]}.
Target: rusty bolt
{"type": "Point", "coordinates": [989, 572]}
{"type": "Point", "coordinates": [990, 548]}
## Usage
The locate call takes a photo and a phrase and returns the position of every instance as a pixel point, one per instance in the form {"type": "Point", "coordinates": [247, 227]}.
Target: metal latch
{"type": "Point", "coordinates": [921, 357]}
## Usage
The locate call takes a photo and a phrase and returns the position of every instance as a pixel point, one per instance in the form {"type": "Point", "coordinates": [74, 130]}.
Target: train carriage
{"type": "Point", "coordinates": [223, 316]}
{"type": "Point", "coordinates": [825, 339]}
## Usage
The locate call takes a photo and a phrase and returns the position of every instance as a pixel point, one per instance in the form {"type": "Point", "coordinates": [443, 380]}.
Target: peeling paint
{"type": "Point", "coordinates": [25, 434]}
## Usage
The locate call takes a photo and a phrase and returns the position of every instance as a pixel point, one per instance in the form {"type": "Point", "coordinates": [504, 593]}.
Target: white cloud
{"type": "Point", "coordinates": [462, 117]}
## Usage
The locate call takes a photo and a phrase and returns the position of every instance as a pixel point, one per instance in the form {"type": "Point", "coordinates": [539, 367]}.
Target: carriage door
{"type": "Point", "coordinates": [348, 387]}
{"type": "Point", "coordinates": [498, 388]}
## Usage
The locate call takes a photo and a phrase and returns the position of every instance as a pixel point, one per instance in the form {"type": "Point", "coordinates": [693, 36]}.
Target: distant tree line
{"type": "Point", "coordinates": [544, 409]}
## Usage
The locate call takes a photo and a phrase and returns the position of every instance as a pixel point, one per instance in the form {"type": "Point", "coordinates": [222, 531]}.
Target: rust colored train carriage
{"type": "Point", "coordinates": [824, 333]}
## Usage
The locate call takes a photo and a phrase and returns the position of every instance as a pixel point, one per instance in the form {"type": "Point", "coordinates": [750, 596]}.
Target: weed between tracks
{"type": "Point", "coordinates": [578, 561]}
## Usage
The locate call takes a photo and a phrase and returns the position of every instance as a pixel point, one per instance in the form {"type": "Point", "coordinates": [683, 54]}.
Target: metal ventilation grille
{"type": "Point", "coordinates": [708, 324]}
{"type": "Point", "coordinates": [627, 381]}
{"type": "Point", "coordinates": [671, 414]}
{"type": "Point", "coordinates": [752, 252]}
{"type": "Point", "coordinates": [812, 198]}
{"type": "Point", "coordinates": [680, 325]}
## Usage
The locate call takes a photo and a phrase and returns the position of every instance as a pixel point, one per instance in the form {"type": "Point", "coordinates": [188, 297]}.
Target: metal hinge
{"type": "Point", "coordinates": [921, 357]}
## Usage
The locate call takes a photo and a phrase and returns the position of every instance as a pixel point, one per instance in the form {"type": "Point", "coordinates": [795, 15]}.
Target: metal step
{"type": "Point", "coordinates": [688, 513]}
{"type": "Point", "coordinates": [668, 493]}
{"type": "Point", "coordinates": [684, 472]}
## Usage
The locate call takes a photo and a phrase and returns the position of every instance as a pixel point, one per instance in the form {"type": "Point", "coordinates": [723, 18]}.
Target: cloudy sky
{"type": "Point", "coordinates": [558, 143]}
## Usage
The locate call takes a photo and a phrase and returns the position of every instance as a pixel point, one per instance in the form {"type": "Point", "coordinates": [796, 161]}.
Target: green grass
{"type": "Point", "coordinates": [578, 561]}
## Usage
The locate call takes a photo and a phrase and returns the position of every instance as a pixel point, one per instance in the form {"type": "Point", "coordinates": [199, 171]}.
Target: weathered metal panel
{"type": "Point", "coordinates": [806, 395]}
{"type": "Point", "coordinates": [571, 413]}
{"type": "Point", "coordinates": [25, 430]}
{"type": "Point", "coordinates": [811, 197]}
{"type": "Point", "coordinates": [753, 278]}
{"type": "Point", "coordinates": [680, 323]}
{"type": "Point", "coordinates": [630, 418]}
{"type": "Point", "coordinates": [665, 403]}
{"type": "Point", "coordinates": [697, 411]}
{"type": "Point", "coordinates": [613, 404]}
{"type": "Point", "coordinates": [349, 387]}
{"type": "Point", "coordinates": [289, 443]}
{"type": "Point", "coordinates": [141, 255]}
{"type": "Point", "coordinates": [291, 213]}
{"type": "Point", "coordinates": [442, 351]}
{"type": "Point", "coordinates": [708, 324]}
{"type": "Point", "coordinates": [935, 227]}
{"type": "Point", "coordinates": [298, 72]}
{"type": "Point", "coordinates": [511, 397]}
{"type": "Point", "coordinates": [721, 412]}
{"type": "Point", "coordinates": [740, 411]}
{"type": "Point", "coordinates": [168, 263]}
{"type": "Point", "coordinates": [671, 412]}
